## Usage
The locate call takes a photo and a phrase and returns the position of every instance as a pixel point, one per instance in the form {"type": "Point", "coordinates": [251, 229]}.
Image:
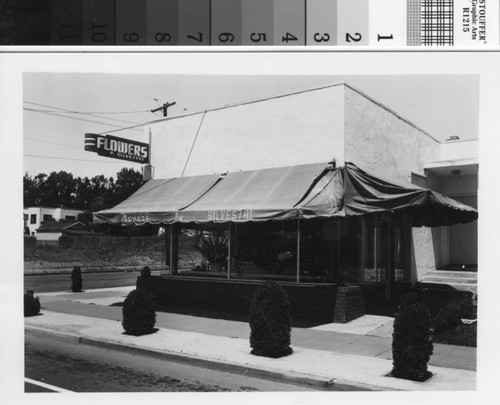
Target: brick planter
{"type": "Point", "coordinates": [309, 302]}
{"type": "Point", "coordinates": [349, 304]}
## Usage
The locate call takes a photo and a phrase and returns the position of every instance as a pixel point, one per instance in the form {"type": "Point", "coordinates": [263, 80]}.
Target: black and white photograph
{"type": "Point", "coordinates": [233, 223]}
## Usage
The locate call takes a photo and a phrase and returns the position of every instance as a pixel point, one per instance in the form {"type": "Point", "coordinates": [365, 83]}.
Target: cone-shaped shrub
{"type": "Point", "coordinates": [139, 316]}
{"type": "Point", "coordinates": [412, 344]}
{"type": "Point", "coordinates": [31, 304]}
{"type": "Point", "coordinates": [144, 280]}
{"type": "Point", "coordinates": [76, 279]}
{"type": "Point", "coordinates": [270, 322]}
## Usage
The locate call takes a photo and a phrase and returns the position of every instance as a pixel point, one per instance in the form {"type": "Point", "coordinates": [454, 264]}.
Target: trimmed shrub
{"type": "Point", "coordinates": [139, 316]}
{"type": "Point", "coordinates": [270, 322]}
{"type": "Point", "coordinates": [412, 344]}
{"type": "Point", "coordinates": [450, 316]}
{"type": "Point", "coordinates": [144, 280]}
{"type": "Point", "coordinates": [76, 279]}
{"type": "Point", "coordinates": [31, 304]}
{"type": "Point", "coordinates": [146, 272]}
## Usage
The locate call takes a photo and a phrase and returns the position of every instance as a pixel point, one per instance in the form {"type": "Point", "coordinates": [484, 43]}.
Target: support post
{"type": "Point", "coordinates": [166, 234]}
{"type": "Point", "coordinates": [364, 235]}
{"type": "Point", "coordinates": [298, 251]}
{"type": "Point", "coordinates": [229, 250]}
{"type": "Point", "coordinates": [174, 248]}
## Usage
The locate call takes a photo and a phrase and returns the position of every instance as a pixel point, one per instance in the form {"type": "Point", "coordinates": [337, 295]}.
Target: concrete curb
{"type": "Point", "coordinates": [309, 381]}
{"type": "Point", "coordinates": [323, 370]}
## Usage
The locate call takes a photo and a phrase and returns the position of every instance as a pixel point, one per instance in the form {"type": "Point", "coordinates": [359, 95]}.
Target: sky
{"type": "Point", "coordinates": [59, 108]}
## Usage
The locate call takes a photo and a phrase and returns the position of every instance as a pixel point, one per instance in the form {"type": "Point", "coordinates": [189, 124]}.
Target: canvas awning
{"type": "Point", "coordinates": [306, 191]}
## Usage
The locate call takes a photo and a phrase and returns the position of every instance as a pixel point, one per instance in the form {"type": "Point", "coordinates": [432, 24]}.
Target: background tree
{"type": "Point", "coordinates": [128, 181]}
{"type": "Point", "coordinates": [61, 189]}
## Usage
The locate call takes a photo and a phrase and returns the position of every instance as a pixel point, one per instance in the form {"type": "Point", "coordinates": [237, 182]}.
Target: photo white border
{"type": "Point", "coordinates": [238, 62]}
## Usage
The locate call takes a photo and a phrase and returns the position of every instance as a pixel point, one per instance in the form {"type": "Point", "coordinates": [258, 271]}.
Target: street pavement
{"type": "Point", "coordinates": [352, 356]}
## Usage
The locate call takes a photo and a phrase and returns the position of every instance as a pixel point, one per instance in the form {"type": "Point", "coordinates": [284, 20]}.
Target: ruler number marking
{"type": "Point", "coordinates": [321, 37]}
{"type": "Point", "coordinates": [131, 37]}
{"type": "Point", "coordinates": [289, 37]}
{"type": "Point", "coordinates": [379, 37]}
{"type": "Point", "coordinates": [258, 36]}
{"type": "Point", "coordinates": [162, 37]}
{"type": "Point", "coordinates": [99, 36]}
{"type": "Point", "coordinates": [198, 38]}
{"type": "Point", "coordinates": [226, 37]}
{"type": "Point", "coordinates": [356, 38]}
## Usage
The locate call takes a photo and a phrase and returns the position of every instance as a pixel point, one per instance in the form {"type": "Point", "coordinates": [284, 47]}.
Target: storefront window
{"type": "Point", "coordinates": [350, 249]}
{"type": "Point", "coordinates": [331, 251]}
{"type": "Point", "coordinates": [265, 251]}
{"type": "Point", "coordinates": [386, 246]}
{"type": "Point", "coordinates": [319, 244]}
{"type": "Point", "coordinates": [401, 253]}
{"type": "Point", "coordinates": [202, 250]}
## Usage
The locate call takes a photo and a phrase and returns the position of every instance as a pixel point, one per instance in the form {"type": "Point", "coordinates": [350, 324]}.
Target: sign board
{"type": "Point", "coordinates": [117, 148]}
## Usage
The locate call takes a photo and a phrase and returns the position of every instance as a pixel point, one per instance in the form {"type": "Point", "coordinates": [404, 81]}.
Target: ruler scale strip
{"type": "Point", "coordinates": [346, 23]}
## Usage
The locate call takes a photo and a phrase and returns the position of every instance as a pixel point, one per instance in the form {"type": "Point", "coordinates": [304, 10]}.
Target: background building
{"type": "Point", "coordinates": [35, 216]}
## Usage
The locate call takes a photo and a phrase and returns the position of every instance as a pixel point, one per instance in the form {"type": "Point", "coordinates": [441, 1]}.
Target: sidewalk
{"type": "Point", "coordinates": [356, 355]}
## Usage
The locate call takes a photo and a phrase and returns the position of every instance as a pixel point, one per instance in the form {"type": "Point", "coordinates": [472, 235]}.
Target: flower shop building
{"type": "Point", "coordinates": [314, 189]}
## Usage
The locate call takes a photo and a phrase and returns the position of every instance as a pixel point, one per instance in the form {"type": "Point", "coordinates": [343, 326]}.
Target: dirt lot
{"type": "Point", "coordinates": [52, 259]}
{"type": "Point", "coordinates": [43, 259]}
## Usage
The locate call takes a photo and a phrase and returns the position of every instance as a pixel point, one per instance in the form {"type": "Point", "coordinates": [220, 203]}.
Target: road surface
{"type": "Point", "coordinates": [82, 368]}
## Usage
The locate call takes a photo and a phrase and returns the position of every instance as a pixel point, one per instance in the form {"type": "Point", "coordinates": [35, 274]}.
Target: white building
{"type": "Point", "coordinates": [35, 216]}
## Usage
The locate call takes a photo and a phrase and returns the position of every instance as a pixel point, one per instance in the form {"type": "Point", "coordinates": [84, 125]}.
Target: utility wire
{"type": "Point", "coordinates": [52, 143]}
{"type": "Point", "coordinates": [194, 142]}
{"type": "Point", "coordinates": [88, 112]}
{"type": "Point", "coordinates": [85, 120]}
{"type": "Point", "coordinates": [76, 112]}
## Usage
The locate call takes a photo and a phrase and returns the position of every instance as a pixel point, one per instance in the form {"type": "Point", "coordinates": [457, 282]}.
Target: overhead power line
{"type": "Point", "coordinates": [90, 112]}
{"type": "Point", "coordinates": [66, 111]}
{"type": "Point", "coordinates": [52, 143]}
{"type": "Point", "coordinates": [84, 120]}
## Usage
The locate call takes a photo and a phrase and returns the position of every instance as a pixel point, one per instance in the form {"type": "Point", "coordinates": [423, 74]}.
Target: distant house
{"type": "Point", "coordinates": [35, 216]}
{"type": "Point", "coordinates": [50, 232]}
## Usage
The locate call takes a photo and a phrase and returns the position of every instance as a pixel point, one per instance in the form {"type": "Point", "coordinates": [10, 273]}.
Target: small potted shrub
{"type": "Point", "coordinates": [139, 316]}
{"type": "Point", "coordinates": [76, 279]}
{"type": "Point", "coordinates": [412, 344]}
{"type": "Point", "coordinates": [31, 304]}
{"type": "Point", "coordinates": [270, 322]}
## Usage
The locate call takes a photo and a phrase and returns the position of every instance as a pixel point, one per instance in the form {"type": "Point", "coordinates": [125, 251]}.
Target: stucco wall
{"type": "Point", "coordinates": [290, 130]}
{"type": "Point", "coordinates": [381, 142]}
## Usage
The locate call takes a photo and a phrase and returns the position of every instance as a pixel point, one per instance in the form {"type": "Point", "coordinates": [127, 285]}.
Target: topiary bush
{"type": "Point", "coordinates": [76, 279]}
{"type": "Point", "coordinates": [412, 344]}
{"type": "Point", "coordinates": [450, 316]}
{"type": "Point", "coordinates": [144, 280]}
{"type": "Point", "coordinates": [139, 316]}
{"type": "Point", "coordinates": [31, 304]}
{"type": "Point", "coordinates": [270, 322]}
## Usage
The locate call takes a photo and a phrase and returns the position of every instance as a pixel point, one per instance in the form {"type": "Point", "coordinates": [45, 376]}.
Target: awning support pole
{"type": "Point", "coordinates": [298, 251]}
{"type": "Point", "coordinates": [229, 251]}
{"type": "Point", "coordinates": [174, 248]}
